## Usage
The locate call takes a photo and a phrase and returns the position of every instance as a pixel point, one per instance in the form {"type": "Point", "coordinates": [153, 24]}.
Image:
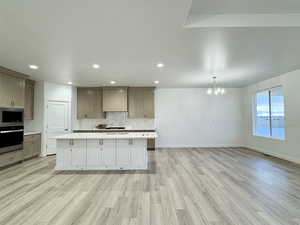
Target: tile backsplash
{"type": "Point", "coordinates": [115, 119]}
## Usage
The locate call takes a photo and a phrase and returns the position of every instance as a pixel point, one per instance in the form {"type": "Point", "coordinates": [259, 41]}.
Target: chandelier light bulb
{"type": "Point", "coordinates": [209, 91]}
{"type": "Point", "coordinates": [223, 91]}
{"type": "Point", "coordinates": [215, 89]}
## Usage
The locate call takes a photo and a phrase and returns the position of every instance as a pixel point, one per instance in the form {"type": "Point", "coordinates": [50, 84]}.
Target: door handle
{"type": "Point", "coordinates": [66, 129]}
{"type": "Point", "coordinates": [10, 131]}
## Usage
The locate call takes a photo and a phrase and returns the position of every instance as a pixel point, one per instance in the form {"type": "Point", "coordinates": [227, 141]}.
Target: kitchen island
{"type": "Point", "coordinates": [103, 151]}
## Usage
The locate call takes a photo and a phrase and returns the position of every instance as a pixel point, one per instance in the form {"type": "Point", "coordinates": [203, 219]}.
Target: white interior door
{"type": "Point", "coordinates": [57, 123]}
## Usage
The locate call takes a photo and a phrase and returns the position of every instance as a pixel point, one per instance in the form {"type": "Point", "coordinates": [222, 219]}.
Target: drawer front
{"type": "Point", "coordinates": [28, 138]}
{"type": "Point", "coordinates": [10, 158]}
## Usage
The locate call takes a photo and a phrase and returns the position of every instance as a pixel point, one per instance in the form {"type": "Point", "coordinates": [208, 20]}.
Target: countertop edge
{"type": "Point", "coordinates": [32, 133]}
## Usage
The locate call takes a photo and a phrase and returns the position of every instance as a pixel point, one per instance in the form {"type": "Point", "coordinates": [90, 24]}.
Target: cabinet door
{"type": "Point", "coordinates": [89, 103]}
{"type": "Point", "coordinates": [94, 154]}
{"type": "Point", "coordinates": [139, 154]}
{"type": "Point", "coordinates": [17, 91]}
{"type": "Point", "coordinates": [10, 158]}
{"type": "Point", "coordinates": [29, 100]}
{"type": "Point", "coordinates": [123, 152]}
{"type": "Point", "coordinates": [36, 145]}
{"type": "Point", "coordinates": [78, 154]}
{"type": "Point", "coordinates": [141, 102]}
{"type": "Point", "coordinates": [151, 144]}
{"type": "Point", "coordinates": [28, 146]}
{"type": "Point", "coordinates": [6, 99]}
{"type": "Point", "coordinates": [63, 155]}
{"type": "Point", "coordinates": [3, 97]}
{"type": "Point", "coordinates": [12, 91]}
{"type": "Point", "coordinates": [109, 153]}
{"type": "Point", "coordinates": [148, 105]}
{"type": "Point", "coordinates": [115, 99]}
{"type": "Point", "coordinates": [135, 102]}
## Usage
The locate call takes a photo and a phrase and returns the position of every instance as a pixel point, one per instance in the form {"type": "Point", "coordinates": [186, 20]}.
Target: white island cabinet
{"type": "Point", "coordinates": [90, 151]}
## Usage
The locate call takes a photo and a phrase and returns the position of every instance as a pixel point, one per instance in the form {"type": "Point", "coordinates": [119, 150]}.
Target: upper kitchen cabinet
{"type": "Point", "coordinates": [141, 102]}
{"type": "Point", "coordinates": [29, 100]}
{"type": "Point", "coordinates": [89, 103]}
{"type": "Point", "coordinates": [12, 90]}
{"type": "Point", "coordinates": [115, 99]}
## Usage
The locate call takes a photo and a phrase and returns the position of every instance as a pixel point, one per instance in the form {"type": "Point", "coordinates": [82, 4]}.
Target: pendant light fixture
{"type": "Point", "coordinates": [215, 89]}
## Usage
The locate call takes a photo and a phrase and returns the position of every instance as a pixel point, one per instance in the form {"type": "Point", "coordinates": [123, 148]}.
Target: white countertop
{"type": "Point", "coordinates": [31, 133]}
{"type": "Point", "coordinates": [109, 135]}
{"type": "Point", "coordinates": [126, 129]}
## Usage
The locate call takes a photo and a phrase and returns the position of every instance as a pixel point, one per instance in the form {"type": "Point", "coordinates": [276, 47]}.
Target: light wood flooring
{"type": "Point", "coordinates": [184, 187]}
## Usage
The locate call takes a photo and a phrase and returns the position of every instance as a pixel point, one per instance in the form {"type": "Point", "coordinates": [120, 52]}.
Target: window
{"type": "Point", "coordinates": [269, 113]}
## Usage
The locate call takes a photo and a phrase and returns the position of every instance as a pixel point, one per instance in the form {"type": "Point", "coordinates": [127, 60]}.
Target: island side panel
{"type": "Point", "coordinates": [139, 155]}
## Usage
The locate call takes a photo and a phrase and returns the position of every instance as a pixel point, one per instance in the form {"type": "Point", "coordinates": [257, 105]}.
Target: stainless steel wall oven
{"type": "Point", "coordinates": [11, 129]}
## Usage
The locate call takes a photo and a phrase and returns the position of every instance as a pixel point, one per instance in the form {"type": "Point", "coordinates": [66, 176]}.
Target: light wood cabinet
{"type": "Point", "coordinates": [141, 102]}
{"type": "Point", "coordinates": [12, 91]}
{"type": "Point", "coordinates": [10, 158]}
{"type": "Point", "coordinates": [89, 103]}
{"type": "Point", "coordinates": [29, 100]}
{"type": "Point", "coordinates": [32, 146]}
{"type": "Point", "coordinates": [151, 144]}
{"type": "Point", "coordinates": [115, 99]}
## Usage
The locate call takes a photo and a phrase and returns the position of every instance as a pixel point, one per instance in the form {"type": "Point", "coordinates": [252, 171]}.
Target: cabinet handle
{"type": "Point", "coordinates": [85, 115]}
{"type": "Point", "coordinates": [100, 142]}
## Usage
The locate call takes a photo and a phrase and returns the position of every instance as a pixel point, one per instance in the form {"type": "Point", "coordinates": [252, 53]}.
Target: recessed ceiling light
{"type": "Point", "coordinates": [96, 66]}
{"type": "Point", "coordinates": [160, 65]}
{"type": "Point", "coordinates": [34, 67]}
{"type": "Point", "coordinates": [112, 82]}
{"type": "Point", "coordinates": [156, 82]}
{"type": "Point", "coordinates": [70, 83]}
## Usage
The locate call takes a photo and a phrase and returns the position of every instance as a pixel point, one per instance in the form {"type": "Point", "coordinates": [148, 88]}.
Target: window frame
{"type": "Point", "coordinates": [254, 114]}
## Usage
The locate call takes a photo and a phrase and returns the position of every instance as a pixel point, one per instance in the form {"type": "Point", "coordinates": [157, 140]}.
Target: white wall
{"type": "Point", "coordinates": [191, 118]}
{"type": "Point", "coordinates": [289, 148]}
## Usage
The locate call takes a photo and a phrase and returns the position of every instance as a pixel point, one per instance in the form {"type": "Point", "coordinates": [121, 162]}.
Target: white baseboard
{"type": "Point", "coordinates": [202, 146]}
{"type": "Point", "coordinates": [281, 156]}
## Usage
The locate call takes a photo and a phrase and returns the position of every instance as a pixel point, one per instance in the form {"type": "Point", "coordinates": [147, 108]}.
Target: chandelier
{"type": "Point", "coordinates": [215, 89]}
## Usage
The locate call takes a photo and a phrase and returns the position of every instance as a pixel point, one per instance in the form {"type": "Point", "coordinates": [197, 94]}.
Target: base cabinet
{"type": "Point", "coordinates": [94, 156]}
{"type": "Point", "coordinates": [123, 148]}
{"type": "Point", "coordinates": [10, 158]}
{"type": "Point", "coordinates": [32, 146]}
{"type": "Point", "coordinates": [102, 154]}
{"type": "Point", "coordinates": [71, 154]}
{"type": "Point", "coordinates": [78, 154]}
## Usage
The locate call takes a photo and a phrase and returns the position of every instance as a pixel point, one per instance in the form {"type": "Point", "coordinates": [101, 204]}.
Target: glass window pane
{"type": "Point", "coordinates": [262, 120]}
{"type": "Point", "coordinates": [277, 113]}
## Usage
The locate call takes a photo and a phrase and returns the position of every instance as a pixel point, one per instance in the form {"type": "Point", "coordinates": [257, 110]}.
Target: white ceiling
{"type": "Point", "coordinates": [245, 6]}
{"type": "Point", "coordinates": [128, 37]}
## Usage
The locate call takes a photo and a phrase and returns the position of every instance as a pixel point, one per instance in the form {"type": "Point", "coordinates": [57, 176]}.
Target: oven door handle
{"type": "Point", "coordinates": [10, 131]}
